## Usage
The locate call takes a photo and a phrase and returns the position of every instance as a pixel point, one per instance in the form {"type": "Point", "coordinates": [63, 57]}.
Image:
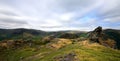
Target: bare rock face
{"type": "Point", "coordinates": [98, 36]}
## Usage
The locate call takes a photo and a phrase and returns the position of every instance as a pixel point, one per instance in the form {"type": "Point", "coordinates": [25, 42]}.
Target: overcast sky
{"type": "Point", "coordinates": [54, 15]}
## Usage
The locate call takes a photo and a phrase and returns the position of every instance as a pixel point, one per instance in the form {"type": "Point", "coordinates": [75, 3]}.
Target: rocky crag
{"type": "Point", "coordinates": [98, 36]}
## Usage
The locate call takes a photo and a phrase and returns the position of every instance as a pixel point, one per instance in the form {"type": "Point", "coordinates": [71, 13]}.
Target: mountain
{"type": "Point", "coordinates": [18, 33]}
{"type": "Point", "coordinates": [36, 45]}
{"type": "Point", "coordinates": [21, 33]}
{"type": "Point", "coordinates": [115, 35]}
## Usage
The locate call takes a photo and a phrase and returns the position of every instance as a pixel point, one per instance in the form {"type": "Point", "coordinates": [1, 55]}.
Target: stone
{"type": "Point", "coordinates": [100, 37]}
{"type": "Point", "coordinates": [95, 35]}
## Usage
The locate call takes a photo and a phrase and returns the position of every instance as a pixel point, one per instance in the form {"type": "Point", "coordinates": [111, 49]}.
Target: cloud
{"type": "Point", "coordinates": [52, 15]}
{"type": "Point", "coordinates": [11, 22]}
{"type": "Point", "coordinates": [113, 19]}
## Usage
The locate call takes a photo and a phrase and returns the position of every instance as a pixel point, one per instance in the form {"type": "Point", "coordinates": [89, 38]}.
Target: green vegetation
{"type": "Point", "coordinates": [33, 45]}
{"type": "Point", "coordinates": [87, 52]}
{"type": "Point", "coordinates": [115, 35]}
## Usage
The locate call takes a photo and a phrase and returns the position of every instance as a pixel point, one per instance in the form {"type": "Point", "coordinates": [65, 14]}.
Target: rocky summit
{"type": "Point", "coordinates": [96, 34]}
{"type": "Point", "coordinates": [36, 45]}
{"type": "Point", "coordinates": [100, 37]}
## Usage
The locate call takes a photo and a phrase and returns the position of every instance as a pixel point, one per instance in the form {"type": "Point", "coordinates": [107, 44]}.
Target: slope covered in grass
{"type": "Point", "coordinates": [84, 51]}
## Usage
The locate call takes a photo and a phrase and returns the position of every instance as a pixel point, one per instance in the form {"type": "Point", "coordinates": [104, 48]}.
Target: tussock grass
{"type": "Point", "coordinates": [84, 50]}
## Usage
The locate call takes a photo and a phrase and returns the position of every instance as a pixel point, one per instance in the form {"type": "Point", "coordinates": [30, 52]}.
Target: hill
{"type": "Point", "coordinates": [6, 34]}
{"type": "Point", "coordinates": [115, 35]}
{"type": "Point", "coordinates": [36, 45]}
{"type": "Point", "coordinates": [18, 33]}
{"type": "Point", "coordinates": [80, 51]}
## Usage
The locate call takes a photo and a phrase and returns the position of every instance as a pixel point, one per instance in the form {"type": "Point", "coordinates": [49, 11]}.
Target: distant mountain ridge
{"type": "Point", "coordinates": [36, 45]}
{"type": "Point", "coordinates": [9, 33]}
{"type": "Point", "coordinates": [18, 33]}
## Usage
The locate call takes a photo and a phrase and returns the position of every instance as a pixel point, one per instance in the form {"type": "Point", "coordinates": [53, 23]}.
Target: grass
{"type": "Point", "coordinates": [89, 53]}
{"type": "Point", "coordinates": [85, 51]}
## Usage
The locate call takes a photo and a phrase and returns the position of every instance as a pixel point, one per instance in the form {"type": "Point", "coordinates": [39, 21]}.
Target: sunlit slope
{"type": "Point", "coordinates": [84, 51]}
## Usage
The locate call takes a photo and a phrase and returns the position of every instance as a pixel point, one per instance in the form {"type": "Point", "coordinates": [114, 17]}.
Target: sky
{"type": "Point", "coordinates": [57, 15]}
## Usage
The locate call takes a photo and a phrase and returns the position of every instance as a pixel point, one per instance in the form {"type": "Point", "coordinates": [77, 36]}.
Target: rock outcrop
{"type": "Point", "coordinates": [98, 36]}
{"type": "Point", "coordinates": [95, 35]}
{"type": "Point", "coordinates": [67, 57]}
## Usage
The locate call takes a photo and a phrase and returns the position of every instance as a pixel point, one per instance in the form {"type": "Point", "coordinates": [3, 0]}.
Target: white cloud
{"type": "Point", "coordinates": [67, 16]}
{"type": "Point", "coordinates": [113, 19]}
{"type": "Point", "coordinates": [58, 14]}
{"type": "Point", "coordinates": [108, 5]}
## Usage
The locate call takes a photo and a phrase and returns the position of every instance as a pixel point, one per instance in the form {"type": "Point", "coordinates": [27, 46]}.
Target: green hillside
{"type": "Point", "coordinates": [115, 35]}
{"type": "Point", "coordinates": [84, 51]}
{"type": "Point", "coordinates": [35, 45]}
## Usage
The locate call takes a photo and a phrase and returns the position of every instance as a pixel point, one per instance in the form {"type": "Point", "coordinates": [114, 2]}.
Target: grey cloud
{"type": "Point", "coordinates": [111, 13]}
{"type": "Point", "coordinates": [8, 13]}
{"type": "Point", "coordinates": [74, 5]}
{"type": "Point", "coordinates": [12, 23]}
{"type": "Point", "coordinates": [44, 10]}
{"type": "Point", "coordinates": [6, 20]}
{"type": "Point", "coordinates": [50, 26]}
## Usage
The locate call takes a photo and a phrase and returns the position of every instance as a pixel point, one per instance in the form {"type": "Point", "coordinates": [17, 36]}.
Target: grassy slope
{"type": "Point", "coordinates": [115, 35]}
{"type": "Point", "coordinates": [92, 52]}
{"type": "Point", "coordinates": [84, 51]}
